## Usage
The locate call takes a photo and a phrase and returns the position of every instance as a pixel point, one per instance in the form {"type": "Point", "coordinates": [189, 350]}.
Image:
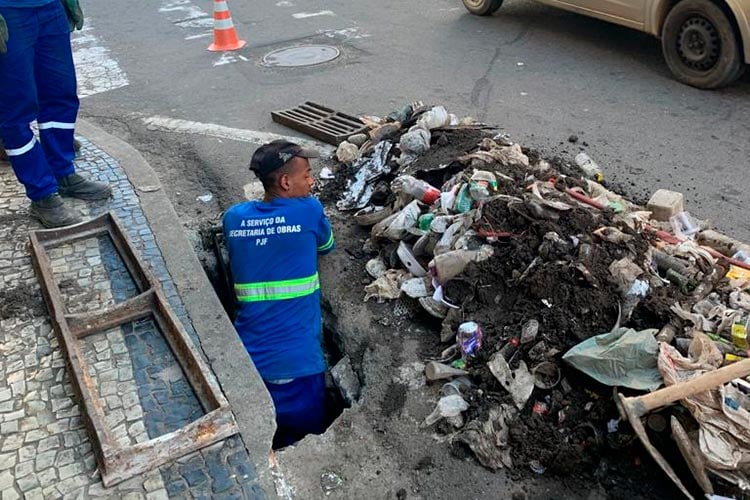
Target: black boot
{"type": "Point", "coordinates": [52, 212]}
{"type": "Point", "coordinates": [76, 186]}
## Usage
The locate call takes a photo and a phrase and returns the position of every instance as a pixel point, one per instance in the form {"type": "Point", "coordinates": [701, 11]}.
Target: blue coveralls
{"type": "Point", "coordinates": [38, 82]}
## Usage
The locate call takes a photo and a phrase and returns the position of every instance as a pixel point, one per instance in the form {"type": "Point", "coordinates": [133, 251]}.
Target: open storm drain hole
{"type": "Point", "coordinates": [342, 382]}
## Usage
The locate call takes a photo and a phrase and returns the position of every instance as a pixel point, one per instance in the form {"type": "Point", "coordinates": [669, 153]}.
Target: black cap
{"type": "Point", "coordinates": [276, 154]}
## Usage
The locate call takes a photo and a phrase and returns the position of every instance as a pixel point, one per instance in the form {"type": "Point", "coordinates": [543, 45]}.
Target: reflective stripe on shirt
{"type": "Point", "coordinates": [277, 290]}
{"type": "Point", "coordinates": [327, 245]}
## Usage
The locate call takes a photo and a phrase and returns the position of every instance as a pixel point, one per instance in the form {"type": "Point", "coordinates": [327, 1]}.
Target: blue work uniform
{"type": "Point", "coordinates": [273, 248]}
{"type": "Point", "coordinates": [38, 82]}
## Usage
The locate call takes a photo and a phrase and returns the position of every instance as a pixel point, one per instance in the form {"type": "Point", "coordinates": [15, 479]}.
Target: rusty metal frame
{"type": "Point", "coordinates": [118, 463]}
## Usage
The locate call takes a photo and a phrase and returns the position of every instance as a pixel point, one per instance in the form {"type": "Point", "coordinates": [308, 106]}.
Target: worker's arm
{"type": "Point", "coordinates": [324, 234]}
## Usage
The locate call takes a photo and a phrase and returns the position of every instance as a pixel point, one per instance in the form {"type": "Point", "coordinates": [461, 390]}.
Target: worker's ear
{"type": "Point", "coordinates": [284, 183]}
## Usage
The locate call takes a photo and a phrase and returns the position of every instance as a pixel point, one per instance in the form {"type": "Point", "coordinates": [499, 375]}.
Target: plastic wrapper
{"type": "Point", "coordinates": [387, 286]}
{"type": "Point", "coordinates": [448, 406]}
{"type": "Point", "coordinates": [519, 382]}
{"type": "Point", "coordinates": [416, 141]}
{"type": "Point", "coordinates": [623, 357]}
{"type": "Point", "coordinates": [359, 190]}
{"type": "Point", "coordinates": [489, 439]}
{"type": "Point", "coordinates": [684, 225]}
{"type": "Point", "coordinates": [404, 220]}
{"type": "Point", "coordinates": [435, 118]}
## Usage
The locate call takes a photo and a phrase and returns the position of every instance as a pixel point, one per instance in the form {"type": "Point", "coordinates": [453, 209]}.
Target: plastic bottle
{"type": "Point", "coordinates": [418, 188]}
{"type": "Point", "coordinates": [463, 200]}
{"type": "Point", "coordinates": [682, 282]}
{"type": "Point", "coordinates": [589, 168]}
{"type": "Point", "coordinates": [457, 386]}
{"type": "Point", "coordinates": [529, 331]}
{"type": "Point", "coordinates": [509, 349]}
{"type": "Point", "coordinates": [425, 220]}
{"type": "Point", "coordinates": [482, 185]}
{"type": "Point", "coordinates": [665, 262]}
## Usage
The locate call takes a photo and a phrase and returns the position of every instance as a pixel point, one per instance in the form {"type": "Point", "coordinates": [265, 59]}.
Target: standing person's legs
{"type": "Point", "coordinates": [300, 408]}
{"type": "Point", "coordinates": [56, 89]}
{"type": "Point", "coordinates": [18, 104]}
{"type": "Point", "coordinates": [58, 103]}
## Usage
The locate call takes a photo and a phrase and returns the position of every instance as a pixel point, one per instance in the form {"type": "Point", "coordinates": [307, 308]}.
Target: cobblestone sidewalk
{"type": "Point", "coordinates": [45, 451]}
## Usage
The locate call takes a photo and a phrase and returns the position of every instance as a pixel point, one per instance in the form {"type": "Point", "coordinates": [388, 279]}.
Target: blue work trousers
{"type": "Point", "coordinates": [38, 82]}
{"type": "Point", "coordinates": [300, 408]}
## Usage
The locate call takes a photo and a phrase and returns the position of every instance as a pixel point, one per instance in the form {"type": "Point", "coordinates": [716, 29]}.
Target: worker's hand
{"type": "Point", "coordinates": [3, 35]}
{"type": "Point", "coordinates": [75, 14]}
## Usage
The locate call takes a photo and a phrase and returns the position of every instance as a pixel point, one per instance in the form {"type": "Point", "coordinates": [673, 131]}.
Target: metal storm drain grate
{"type": "Point", "coordinates": [147, 308]}
{"type": "Point", "coordinates": [321, 122]}
{"type": "Point", "coordinates": [305, 55]}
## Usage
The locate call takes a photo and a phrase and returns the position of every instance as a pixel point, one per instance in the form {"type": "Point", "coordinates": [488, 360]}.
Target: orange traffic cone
{"type": "Point", "coordinates": [225, 36]}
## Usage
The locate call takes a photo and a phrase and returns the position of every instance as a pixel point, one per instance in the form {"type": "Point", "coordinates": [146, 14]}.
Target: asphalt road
{"type": "Point", "coordinates": [539, 73]}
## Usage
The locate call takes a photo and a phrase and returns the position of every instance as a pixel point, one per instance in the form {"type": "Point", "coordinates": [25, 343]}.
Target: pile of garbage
{"type": "Point", "coordinates": [537, 274]}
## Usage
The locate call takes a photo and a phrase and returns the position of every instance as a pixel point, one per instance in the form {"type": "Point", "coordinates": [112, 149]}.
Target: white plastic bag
{"type": "Point", "coordinates": [435, 118]}
{"type": "Point", "coordinates": [405, 219]}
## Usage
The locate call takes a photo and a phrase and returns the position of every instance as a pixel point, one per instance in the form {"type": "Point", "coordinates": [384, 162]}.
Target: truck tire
{"type": "Point", "coordinates": [700, 45]}
{"type": "Point", "coordinates": [482, 7]}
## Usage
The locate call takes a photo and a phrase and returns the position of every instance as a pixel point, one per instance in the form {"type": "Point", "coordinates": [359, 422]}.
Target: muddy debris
{"type": "Point", "coordinates": [22, 301]}
{"type": "Point", "coordinates": [538, 256]}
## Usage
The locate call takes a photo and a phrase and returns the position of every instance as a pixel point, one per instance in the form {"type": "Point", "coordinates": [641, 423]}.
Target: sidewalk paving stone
{"type": "Point", "coordinates": [45, 451]}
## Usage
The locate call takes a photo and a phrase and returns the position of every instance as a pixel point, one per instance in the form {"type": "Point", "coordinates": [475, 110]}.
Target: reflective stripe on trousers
{"type": "Point", "coordinates": [277, 290]}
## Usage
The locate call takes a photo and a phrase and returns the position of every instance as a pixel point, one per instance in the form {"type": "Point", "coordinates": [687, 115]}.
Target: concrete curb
{"type": "Point", "coordinates": [226, 355]}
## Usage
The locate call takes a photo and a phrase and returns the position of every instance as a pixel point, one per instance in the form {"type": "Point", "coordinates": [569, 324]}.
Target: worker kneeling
{"type": "Point", "coordinates": [273, 246]}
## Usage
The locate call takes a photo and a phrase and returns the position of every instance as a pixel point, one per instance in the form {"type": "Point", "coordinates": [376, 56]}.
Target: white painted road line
{"type": "Point", "coordinates": [187, 10]}
{"type": "Point", "coordinates": [305, 15]}
{"type": "Point", "coordinates": [179, 126]}
{"type": "Point", "coordinates": [96, 70]}
{"type": "Point", "coordinates": [344, 34]}
{"type": "Point", "coordinates": [229, 58]}
{"type": "Point", "coordinates": [202, 35]}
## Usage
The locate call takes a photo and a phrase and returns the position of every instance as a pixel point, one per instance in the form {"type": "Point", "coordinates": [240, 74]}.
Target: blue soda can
{"type": "Point", "coordinates": [469, 338]}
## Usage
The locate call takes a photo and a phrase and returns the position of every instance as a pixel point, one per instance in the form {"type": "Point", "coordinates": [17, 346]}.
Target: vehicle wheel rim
{"type": "Point", "coordinates": [699, 44]}
{"type": "Point", "coordinates": [474, 3]}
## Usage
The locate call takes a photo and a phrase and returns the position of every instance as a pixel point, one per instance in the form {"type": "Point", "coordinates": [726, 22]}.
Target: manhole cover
{"type": "Point", "coordinates": [305, 55]}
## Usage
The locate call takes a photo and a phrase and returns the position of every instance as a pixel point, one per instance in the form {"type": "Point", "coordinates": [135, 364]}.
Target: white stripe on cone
{"type": "Point", "coordinates": [223, 24]}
